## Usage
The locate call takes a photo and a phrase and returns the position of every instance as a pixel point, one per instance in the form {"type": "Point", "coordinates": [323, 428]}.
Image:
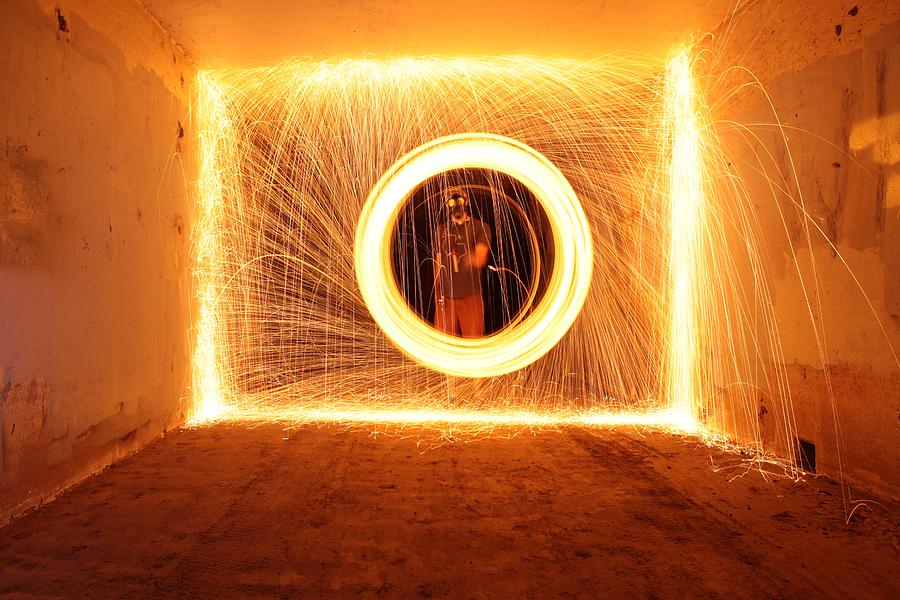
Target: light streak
{"type": "Point", "coordinates": [655, 418]}
{"type": "Point", "coordinates": [686, 210]}
{"type": "Point", "coordinates": [513, 348]}
{"type": "Point", "coordinates": [208, 398]}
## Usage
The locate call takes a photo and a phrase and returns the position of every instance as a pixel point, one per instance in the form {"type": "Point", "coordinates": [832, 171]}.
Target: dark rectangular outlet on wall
{"type": "Point", "coordinates": [806, 455]}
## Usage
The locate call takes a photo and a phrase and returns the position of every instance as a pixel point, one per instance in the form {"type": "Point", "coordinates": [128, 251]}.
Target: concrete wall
{"type": "Point", "coordinates": [95, 178]}
{"type": "Point", "coordinates": [240, 33]}
{"type": "Point", "coordinates": [832, 73]}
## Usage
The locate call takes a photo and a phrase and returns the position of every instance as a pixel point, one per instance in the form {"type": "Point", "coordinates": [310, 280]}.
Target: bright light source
{"type": "Point", "coordinates": [686, 210]}
{"type": "Point", "coordinates": [512, 348]}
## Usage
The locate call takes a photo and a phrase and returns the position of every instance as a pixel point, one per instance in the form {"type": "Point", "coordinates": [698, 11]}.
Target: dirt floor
{"type": "Point", "coordinates": [323, 512]}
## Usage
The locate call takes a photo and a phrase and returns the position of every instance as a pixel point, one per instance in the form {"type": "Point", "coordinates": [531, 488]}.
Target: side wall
{"type": "Point", "coordinates": [832, 75]}
{"type": "Point", "coordinates": [95, 179]}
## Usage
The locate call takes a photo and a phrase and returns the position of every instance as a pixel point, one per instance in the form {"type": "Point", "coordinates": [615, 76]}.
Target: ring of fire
{"type": "Point", "coordinates": [514, 347]}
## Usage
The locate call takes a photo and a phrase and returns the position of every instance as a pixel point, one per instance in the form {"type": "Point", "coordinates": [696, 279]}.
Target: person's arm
{"type": "Point", "coordinates": [438, 263]}
{"type": "Point", "coordinates": [438, 291]}
{"type": "Point", "coordinates": [480, 256]}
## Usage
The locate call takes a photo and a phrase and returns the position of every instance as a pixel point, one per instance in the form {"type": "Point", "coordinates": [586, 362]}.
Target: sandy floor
{"type": "Point", "coordinates": [233, 511]}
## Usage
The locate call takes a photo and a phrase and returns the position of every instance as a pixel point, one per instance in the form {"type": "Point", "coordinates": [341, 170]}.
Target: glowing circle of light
{"type": "Point", "coordinates": [512, 348]}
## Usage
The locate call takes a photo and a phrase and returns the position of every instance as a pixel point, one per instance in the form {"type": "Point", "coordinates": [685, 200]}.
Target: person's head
{"type": "Point", "coordinates": [456, 201]}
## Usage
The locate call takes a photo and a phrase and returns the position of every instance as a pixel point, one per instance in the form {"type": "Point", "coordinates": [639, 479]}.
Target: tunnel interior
{"type": "Point", "coordinates": [705, 245]}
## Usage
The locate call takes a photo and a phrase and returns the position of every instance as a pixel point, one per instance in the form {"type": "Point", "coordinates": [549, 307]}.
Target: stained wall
{"type": "Point", "coordinates": [96, 168]}
{"type": "Point", "coordinates": [825, 187]}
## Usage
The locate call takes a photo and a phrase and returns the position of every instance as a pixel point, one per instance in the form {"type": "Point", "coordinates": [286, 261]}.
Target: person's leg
{"type": "Point", "coordinates": [445, 318]}
{"type": "Point", "coordinates": [454, 327]}
{"type": "Point", "coordinates": [440, 316]}
{"type": "Point", "coordinates": [470, 312]}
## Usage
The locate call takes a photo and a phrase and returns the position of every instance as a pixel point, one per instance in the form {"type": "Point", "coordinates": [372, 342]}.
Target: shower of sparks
{"type": "Point", "coordinates": [297, 150]}
{"type": "Point", "coordinates": [676, 329]}
{"type": "Point", "coordinates": [484, 419]}
{"type": "Point", "coordinates": [686, 202]}
{"type": "Point", "coordinates": [213, 144]}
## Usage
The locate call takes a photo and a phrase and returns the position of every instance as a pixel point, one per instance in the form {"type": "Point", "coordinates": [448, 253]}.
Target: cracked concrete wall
{"type": "Point", "coordinates": [832, 75]}
{"type": "Point", "coordinates": [96, 169]}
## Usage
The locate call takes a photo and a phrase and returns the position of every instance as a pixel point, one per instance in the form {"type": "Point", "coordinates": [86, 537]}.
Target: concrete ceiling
{"type": "Point", "coordinates": [220, 33]}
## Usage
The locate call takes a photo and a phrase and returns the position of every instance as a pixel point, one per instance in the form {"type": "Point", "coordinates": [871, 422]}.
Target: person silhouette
{"type": "Point", "coordinates": [460, 246]}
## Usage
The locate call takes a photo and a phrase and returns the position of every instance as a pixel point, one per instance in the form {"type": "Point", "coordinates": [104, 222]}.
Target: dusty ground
{"type": "Point", "coordinates": [234, 511]}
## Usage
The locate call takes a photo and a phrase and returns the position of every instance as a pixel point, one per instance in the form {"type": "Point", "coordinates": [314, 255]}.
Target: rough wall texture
{"type": "Point", "coordinates": [832, 74]}
{"type": "Point", "coordinates": [240, 33]}
{"type": "Point", "coordinates": [95, 173]}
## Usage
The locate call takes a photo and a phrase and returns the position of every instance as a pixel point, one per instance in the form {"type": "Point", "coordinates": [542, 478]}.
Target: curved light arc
{"type": "Point", "coordinates": [512, 348]}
